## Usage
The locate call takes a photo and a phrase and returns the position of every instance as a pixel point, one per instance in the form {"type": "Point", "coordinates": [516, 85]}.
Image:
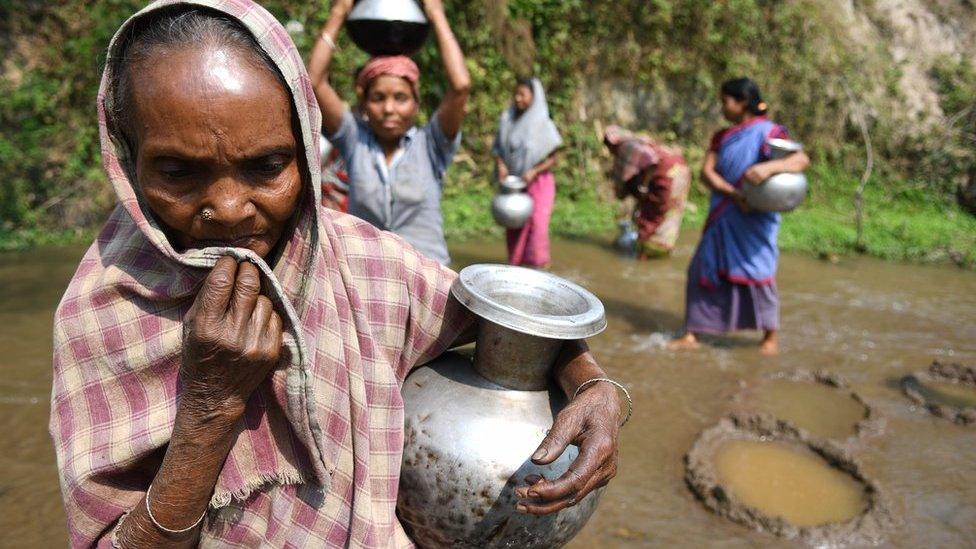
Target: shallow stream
{"type": "Point", "coordinates": [869, 321]}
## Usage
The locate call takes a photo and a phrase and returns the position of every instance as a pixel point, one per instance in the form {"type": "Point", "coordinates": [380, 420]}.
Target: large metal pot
{"type": "Point", "coordinates": [388, 27]}
{"type": "Point", "coordinates": [511, 207]}
{"type": "Point", "coordinates": [470, 428]}
{"type": "Point", "coordinates": [782, 192]}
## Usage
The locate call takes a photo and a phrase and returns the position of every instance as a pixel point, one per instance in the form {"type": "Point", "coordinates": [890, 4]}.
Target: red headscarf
{"type": "Point", "coordinates": [393, 65]}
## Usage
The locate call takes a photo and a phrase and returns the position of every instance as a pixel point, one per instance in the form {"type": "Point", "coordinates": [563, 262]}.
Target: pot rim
{"type": "Point", "coordinates": [785, 145]}
{"type": "Point", "coordinates": [468, 290]}
{"type": "Point", "coordinates": [387, 10]}
{"type": "Point", "coordinates": [513, 183]}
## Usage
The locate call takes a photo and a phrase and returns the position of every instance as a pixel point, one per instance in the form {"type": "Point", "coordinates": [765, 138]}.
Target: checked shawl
{"type": "Point", "coordinates": [317, 457]}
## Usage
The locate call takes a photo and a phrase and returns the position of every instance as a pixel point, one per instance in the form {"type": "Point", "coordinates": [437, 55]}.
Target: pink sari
{"type": "Point", "coordinates": [529, 246]}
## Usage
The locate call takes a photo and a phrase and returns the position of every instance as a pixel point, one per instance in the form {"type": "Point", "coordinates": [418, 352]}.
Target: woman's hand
{"type": "Point", "coordinates": [740, 200]}
{"type": "Point", "coordinates": [342, 6]}
{"type": "Point", "coordinates": [590, 422]}
{"type": "Point", "coordinates": [529, 176]}
{"type": "Point", "coordinates": [232, 340]}
{"type": "Point", "coordinates": [502, 170]}
{"type": "Point", "coordinates": [433, 6]}
{"type": "Point", "coordinates": [759, 173]}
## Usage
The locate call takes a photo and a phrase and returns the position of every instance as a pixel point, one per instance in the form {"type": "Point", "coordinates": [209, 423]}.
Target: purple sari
{"type": "Point", "coordinates": [732, 277]}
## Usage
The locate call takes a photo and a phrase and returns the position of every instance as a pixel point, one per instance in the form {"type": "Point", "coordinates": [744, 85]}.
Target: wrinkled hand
{"type": "Point", "coordinates": [758, 173]}
{"type": "Point", "coordinates": [502, 172]}
{"type": "Point", "coordinates": [529, 176]}
{"type": "Point", "coordinates": [232, 340]}
{"type": "Point", "coordinates": [591, 423]}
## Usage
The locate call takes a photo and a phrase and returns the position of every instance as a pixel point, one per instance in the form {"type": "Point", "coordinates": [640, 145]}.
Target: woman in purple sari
{"type": "Point", "coordinates": [732, 278]}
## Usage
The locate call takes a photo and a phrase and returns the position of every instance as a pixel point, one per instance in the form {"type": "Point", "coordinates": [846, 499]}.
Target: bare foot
{"type": "Point", "coordinates": [770, 344]}
{"type": "Point", "coordinates": [683, 343]}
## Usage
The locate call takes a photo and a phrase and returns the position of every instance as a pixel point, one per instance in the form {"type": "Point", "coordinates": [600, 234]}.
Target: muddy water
{"type": "Point", "coordinates": [868, 321]}
{"type": "Point", "coordinates": [783, 481]}
{"type": "Point", "coordinates": [956, 395]}
{"type": "Point", "coordinates": [824, 411]}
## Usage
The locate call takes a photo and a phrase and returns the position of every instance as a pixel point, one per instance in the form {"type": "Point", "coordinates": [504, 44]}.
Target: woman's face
{"type": "Point", "coordinates": [522, 98]}
{"type": "Point", "coordinates": [214, 131]}
{"type": "Point", "coordinates": [732, 109]}
{"type": "Point", "coordinates": [391, 107]}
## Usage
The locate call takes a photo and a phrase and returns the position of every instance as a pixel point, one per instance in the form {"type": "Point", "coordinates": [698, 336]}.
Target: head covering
{"type": "Point", "coordinates": [392, 65]}
{"type": "Point", "coordinates": [118, 340]}
{"type": "Point", "coordinates": [526, 138]}
{"type": "Point", "coordinates": [634, 154]}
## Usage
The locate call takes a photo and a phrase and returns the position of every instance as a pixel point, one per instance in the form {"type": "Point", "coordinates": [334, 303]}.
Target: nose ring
{"type": "Point", "coordinates": [207, 214]}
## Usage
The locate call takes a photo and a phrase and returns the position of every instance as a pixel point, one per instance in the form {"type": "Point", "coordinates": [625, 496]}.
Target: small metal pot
{"type": "Point", "coordinates": [782, 192]}
{"type": "Point", "coordinates": [627, 239]}
{"type": "Point", "coordinates": [388, 27]}
{"type": "Point", "coordinates": [511, 207]}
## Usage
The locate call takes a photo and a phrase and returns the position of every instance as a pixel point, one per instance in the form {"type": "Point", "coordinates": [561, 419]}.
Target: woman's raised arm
{"type": "Point", "coordinates": [450, 113]}
{"type": "Point", "coordinates": [318, 67]}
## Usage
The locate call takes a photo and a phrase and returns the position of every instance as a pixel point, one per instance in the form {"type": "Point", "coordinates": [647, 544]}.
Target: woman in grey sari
{"type": "Point", "coordinates": [526, 146]}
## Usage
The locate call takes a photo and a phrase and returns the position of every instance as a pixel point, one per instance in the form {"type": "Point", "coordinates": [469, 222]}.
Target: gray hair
{"type": "Point", "coordinates": [169, 29]}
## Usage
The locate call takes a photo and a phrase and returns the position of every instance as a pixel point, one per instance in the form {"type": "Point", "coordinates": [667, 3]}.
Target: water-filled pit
{"type": "Point", "coordinates": [766, 474]}
{"type": "Point", "coordinates": [945, 390]}
{"type": "Point", "coordinates": [818, 402]}
{"type": "Point", "coordinates": [787, 481]}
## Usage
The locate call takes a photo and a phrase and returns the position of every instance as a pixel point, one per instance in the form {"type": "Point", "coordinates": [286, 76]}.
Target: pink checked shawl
{"type": "Point", "coordinates": [317, 458]}
{"type": "Point", "coordinates": [635, 154]}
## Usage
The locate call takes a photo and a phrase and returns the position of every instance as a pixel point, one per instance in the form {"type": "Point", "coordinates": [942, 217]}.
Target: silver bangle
{"type": "Point", "coordinates": [165, 529]}
{"type": "Point", "coordinates": [630, 401]}
{"type": "Point", "coordinates": [328, 40]}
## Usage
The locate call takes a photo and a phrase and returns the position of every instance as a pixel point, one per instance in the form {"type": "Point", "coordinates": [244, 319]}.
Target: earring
{"type": "Point", "coordinates": [207, 214]}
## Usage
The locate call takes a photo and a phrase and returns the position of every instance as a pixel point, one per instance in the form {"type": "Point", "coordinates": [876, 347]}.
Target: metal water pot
{"type": "Point", "coordinates": [512, 207]}
{"type": "Point", "coordinates": [471, 426]}
{"type": "Point", "coordinates": [627, 239]}
{"type": "Point", "coordinates": [388, 27]}
{"type": "Point", "coordinates": [782, 192]}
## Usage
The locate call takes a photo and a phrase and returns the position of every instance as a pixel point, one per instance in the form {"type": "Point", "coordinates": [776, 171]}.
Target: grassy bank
{"type": "Point", "coordinates": [900, 222]}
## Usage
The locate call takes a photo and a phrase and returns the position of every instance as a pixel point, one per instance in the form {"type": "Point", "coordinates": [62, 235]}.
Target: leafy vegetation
{"type": "Point", "coordinates": [661, 60]}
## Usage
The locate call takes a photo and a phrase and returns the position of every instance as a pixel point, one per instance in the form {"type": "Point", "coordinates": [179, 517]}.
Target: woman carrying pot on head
{"type": "Point", "coordinates": [395, 169]}
{"type": "Point", "coordinates": [732, 278]}
{"type": "Point", "coordinates": [659, 178]}
{"type": "Point", "coordinates": [228, 356]}
{"type": "Point", "coordinates": [526, 146]}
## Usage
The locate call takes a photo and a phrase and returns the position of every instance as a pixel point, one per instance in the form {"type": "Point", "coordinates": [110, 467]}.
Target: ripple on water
{"type": "Point", "coordinates": [787, 482]}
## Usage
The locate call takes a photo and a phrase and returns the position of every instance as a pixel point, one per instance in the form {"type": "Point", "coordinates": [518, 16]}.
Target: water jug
{"type": "Point", "coordinates": [512, 207]}
{"type": "Point", "coordinates": [470, 426]}
{"type": "Point", "coordinates": [388, 27]}
{"type": "Point", "coordinates": [782, 192]}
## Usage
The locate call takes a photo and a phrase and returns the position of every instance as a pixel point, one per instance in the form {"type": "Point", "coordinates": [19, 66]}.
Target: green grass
{"type": "Point", "coordinates": [24, 239]}
{"type": "Point", "coordinates": [899, 225]}
{"type": "Point", "coordinates": [902, 225]}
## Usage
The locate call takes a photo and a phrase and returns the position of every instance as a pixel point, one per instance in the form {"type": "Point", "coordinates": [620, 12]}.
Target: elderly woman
{"type": "Point", "coordinates": [526, 145]}
{"type": "Point", "coordinates": [229, 355]}
{"type": "Point", "coordinates": [658, 177]}
{"type": "Point", "coordinates": [396, 169]}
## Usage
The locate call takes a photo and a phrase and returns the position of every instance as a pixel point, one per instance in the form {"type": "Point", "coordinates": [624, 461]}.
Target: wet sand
{"type": "Point", "coordinates": [869, 321]}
